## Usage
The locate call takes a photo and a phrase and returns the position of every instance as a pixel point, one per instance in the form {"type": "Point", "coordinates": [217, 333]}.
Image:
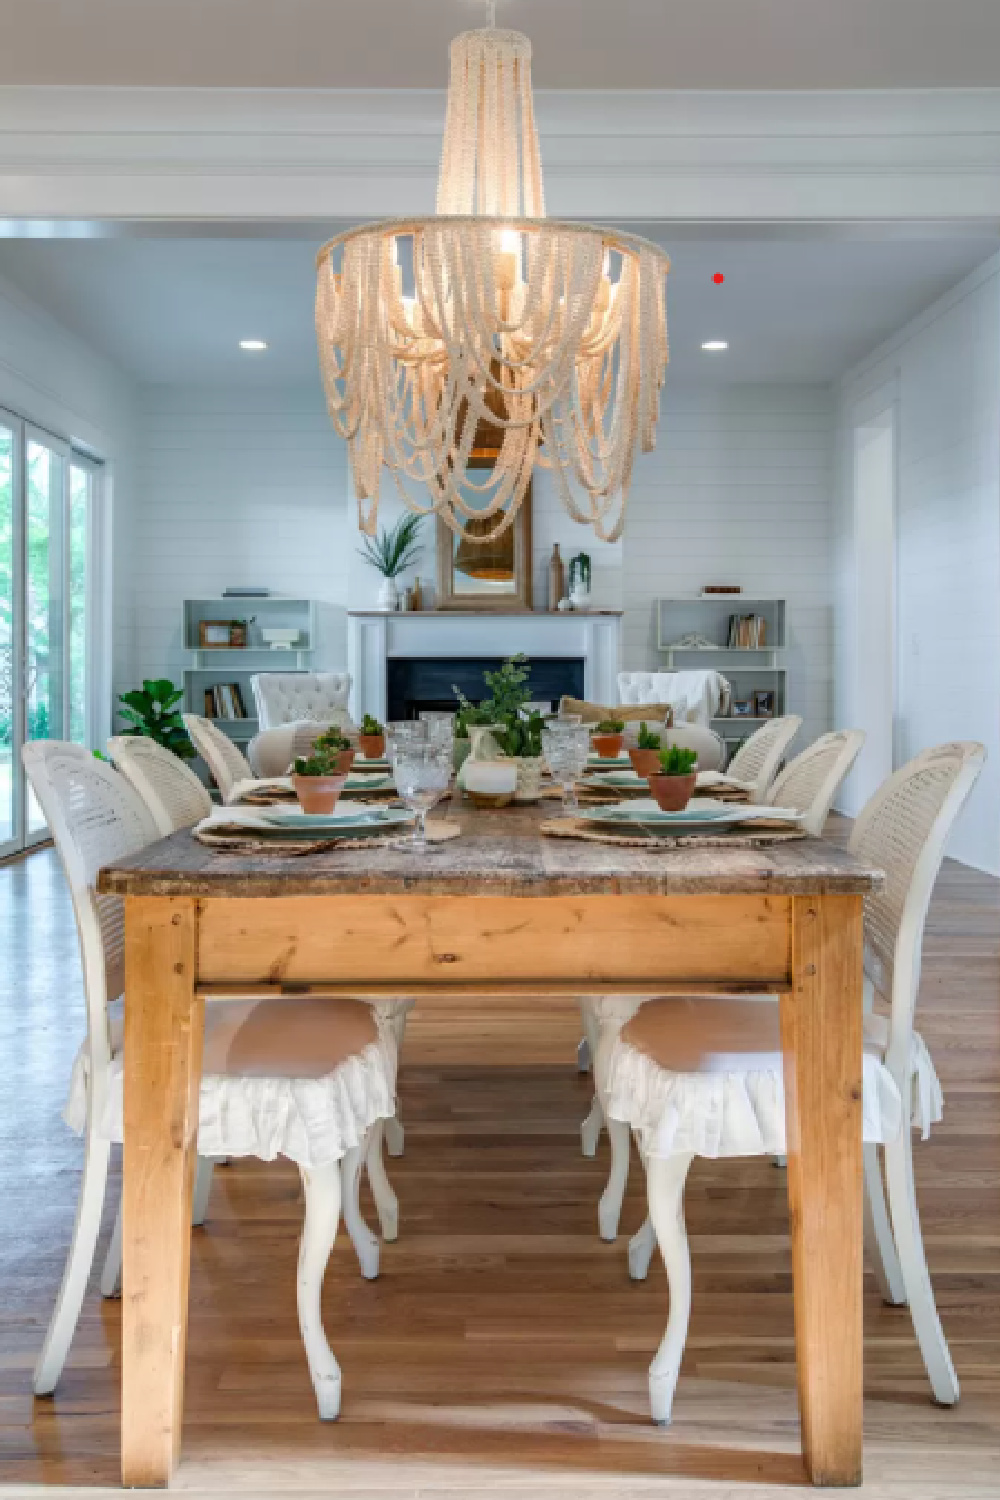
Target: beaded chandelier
{"type": "Point", "coordinates": [490, 331]}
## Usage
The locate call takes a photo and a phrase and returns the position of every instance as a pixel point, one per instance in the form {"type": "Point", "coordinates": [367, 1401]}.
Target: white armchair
{"type": "Point", "coordinates": [696, 697]}
{"type": "Point", "coordinates": [690, 733]}
{"type": "Point", "coordinates": [293, 708]}
{"type": "Point", "coordinates": [287, 697]}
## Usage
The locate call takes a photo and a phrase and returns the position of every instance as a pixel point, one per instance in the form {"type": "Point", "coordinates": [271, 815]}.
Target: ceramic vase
{"type": "Point", "coordinates": [388, 595]}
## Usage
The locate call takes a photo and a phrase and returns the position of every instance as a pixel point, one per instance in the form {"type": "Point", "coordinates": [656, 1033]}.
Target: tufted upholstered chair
{"type": "Point", "coordinates": [286, 697]}
{"type": "Point", "coordinates": [696, 696]}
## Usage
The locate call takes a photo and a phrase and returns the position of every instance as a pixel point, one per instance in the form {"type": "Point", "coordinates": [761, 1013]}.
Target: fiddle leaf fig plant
{"type": "Point", "coordinates": [151, 713]}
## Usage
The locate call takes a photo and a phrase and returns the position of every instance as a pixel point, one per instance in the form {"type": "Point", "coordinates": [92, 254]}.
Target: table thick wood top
{"type": "Point", "coordinates": [500, 853]}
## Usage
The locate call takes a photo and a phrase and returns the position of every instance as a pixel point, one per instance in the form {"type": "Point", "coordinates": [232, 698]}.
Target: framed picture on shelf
{"type": "Point", "coordinates": [223, 635]}
{"type": "Point", "coordinates": [763, 703]}
{"type": "Point", "coordinates": [742, 708]}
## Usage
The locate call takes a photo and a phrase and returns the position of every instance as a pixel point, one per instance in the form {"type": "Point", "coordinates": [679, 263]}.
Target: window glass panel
{"type": "Point", "coordinates": [6, 633]}
{"type": "Point", "coordinates": [80, 493]}
{"type": "Point", "coordinates": [44, 602]}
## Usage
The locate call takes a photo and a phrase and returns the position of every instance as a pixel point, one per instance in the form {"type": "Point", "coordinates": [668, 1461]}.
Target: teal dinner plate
{"type": "Point", "coordinates": [347, 824]}
{"type": "Point", "coordinates": [608, 762]}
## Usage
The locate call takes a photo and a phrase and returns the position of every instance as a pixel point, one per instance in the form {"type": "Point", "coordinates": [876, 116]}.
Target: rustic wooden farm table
{"type": "Point", "coordinates": [502, 911]}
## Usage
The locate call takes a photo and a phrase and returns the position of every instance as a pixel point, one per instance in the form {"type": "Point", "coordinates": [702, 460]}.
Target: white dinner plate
{"type": "Point", "coordinates": [347, 822]}
{"type": "Point", "coordinates": [700, 814]}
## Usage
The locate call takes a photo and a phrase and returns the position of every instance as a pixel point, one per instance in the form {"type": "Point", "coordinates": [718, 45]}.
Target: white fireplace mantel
{"type": "Point", "coordinates": [372, 638]}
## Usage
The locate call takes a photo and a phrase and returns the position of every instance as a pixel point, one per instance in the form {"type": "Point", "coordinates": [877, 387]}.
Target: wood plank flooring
{"type": "Point", "coordinates": [503, 1350]}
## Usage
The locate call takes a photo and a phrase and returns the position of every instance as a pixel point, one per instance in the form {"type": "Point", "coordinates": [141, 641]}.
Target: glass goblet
{"type": "Point", "coordinates": [566, 748]}
{"type": "Point", "coordinates": [422, 770]}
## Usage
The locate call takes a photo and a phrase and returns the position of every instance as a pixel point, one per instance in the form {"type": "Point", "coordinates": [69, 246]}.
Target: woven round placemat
{"type": "Point", "coordinates": [576, 828]}
{"type": "Point", "coordinates": [235, 838]}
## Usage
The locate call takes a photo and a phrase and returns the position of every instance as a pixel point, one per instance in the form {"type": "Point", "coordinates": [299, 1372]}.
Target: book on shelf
{"type": "Point", "coordinates": [225, 701]}
{"type": "Point", "coordinates": [747, 633]}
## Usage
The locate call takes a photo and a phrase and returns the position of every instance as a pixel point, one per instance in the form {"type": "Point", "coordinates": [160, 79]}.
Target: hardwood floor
{"type": "Point", "coordinates": [503, 1349]}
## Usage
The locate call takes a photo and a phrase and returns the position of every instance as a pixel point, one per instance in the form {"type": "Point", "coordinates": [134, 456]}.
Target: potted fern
{"type": "Point", "coordinates": [371, 740]}
{"type": "Point", "coordinates": [390, 553]}
{"type": "Point", "coordinates": [674, 786]}
{"type": "Point", "coordinates": [645, 756]}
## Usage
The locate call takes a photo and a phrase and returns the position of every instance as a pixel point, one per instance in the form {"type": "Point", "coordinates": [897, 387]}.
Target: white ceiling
{"type": "Point", "coordinates": [636, 44]}
{"type": "Point", "coordinates": [794, 306]}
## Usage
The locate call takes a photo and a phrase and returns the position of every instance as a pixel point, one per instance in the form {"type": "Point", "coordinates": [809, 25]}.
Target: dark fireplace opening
{"type": "Point", "coordinates": [429, 682]}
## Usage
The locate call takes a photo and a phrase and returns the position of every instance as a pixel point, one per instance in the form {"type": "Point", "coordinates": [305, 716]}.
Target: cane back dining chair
{"type": "Point", "coordinates": [703, 1077]}
{"type": "Point", "coordinates": [756, 762]}
{"type": "Point", "coordinates": [176, 799]}
{"type": "Point", "coordinates": [226, 761]}
{"type": "Point", "coordinates": [306, 1079]}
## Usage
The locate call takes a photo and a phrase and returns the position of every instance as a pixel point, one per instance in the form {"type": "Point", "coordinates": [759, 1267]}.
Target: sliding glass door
{"type": "Point", "coordinates": [47, 499]}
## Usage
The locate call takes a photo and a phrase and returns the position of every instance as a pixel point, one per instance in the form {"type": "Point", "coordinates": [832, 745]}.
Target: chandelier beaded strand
{"type": "Point", "coordinates": [549, 336]}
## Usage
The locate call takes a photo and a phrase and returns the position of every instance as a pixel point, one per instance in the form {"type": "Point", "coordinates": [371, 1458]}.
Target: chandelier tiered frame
{"type": "Point", "coordinates": [548, 337]}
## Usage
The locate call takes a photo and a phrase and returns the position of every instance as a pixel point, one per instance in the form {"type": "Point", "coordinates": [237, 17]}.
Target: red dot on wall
{"type": "Point", "coordinates": [718, 278]}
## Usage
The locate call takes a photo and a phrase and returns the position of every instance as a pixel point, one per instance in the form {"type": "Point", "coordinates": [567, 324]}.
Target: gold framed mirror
{"type": "Point", "coordinates": [493, 576]}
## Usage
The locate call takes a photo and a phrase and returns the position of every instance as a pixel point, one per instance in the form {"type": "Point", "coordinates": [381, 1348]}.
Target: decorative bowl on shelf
{"type": "Point", "coordinates": [279, 638]}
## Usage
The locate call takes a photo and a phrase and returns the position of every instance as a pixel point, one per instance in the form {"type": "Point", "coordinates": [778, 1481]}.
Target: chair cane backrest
{"type": "Point", "coordinates": [759, 757]}
{"type": "Point", "coordinates": [903, 830]}
{"type": "Point", "coordinates": [810, 782]}
{"type": "Point", "coordinates": [226, 762]}
{"type": "Point", "coordinates": [94, 817]}
{"type": "Point", "coordinates": [169, 788]}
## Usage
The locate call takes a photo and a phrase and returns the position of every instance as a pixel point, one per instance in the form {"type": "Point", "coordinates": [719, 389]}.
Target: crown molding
{"type": "Point", "coordinates": [86, 153]}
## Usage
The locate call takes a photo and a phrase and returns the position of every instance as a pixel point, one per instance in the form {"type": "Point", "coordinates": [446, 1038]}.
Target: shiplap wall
{"type": "Point", "coordinates": [252, 486]}
{"type": "Point", "coordinates": [738, 491]}
{"type": "Point", "coordinates": [945, 370]}
{"type": "Point", "coordinates": [235, 487]}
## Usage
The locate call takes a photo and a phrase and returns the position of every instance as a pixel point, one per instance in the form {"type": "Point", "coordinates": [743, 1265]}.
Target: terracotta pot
{"type": "Point", "coordinates": [345, 760]}
{"type": "Point", "coordinates": [608, 746]}
{"type": "Point", "coordinates": [673, 793]}
{"type": "Point", "coordinates": [372, 746]}
{"type": "Point", "coordinates": [645, 762]}
{"type": "Point", "coordinates": [318, 794]}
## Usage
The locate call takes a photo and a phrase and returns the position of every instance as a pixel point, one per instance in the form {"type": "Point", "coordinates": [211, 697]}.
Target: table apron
{"type": "Point", "coordinates": [493, 945]}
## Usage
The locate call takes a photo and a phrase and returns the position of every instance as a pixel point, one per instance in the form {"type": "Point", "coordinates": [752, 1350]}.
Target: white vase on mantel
{"type": "Point", "coordinates": [388, 595]}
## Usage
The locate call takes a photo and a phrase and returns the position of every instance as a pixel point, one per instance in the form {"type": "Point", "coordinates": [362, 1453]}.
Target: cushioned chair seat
{"type": "Point", "coordinates": [303, 1078]}
{"type": "Point", "coordinates": [705, 1075]}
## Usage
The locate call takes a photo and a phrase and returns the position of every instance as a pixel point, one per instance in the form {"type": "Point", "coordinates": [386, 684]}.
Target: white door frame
{"type": "Point", "coordinates": [875, 589]}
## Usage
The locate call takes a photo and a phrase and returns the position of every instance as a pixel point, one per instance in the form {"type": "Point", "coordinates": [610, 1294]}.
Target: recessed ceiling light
{"type": "Point", "coordinates": [253, 346]}
{"type": "Point", "coordinates": [715, 346]}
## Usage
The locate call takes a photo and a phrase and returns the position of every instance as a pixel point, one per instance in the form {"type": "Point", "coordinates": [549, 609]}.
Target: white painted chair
{"type": "Point", "coordinates": [176, 799]}
{"type": "Point", "coordinates": [273, 750]}
{"type": "Point", "coordinates": [307, 1078]}
{"type": "Point", "coordinates": [286, 697]}
{"type": "Point", "coordinates": [170, 790]}
{"type": "Point", "coordinates": [810, 782]}
{"type": "Point", "coordinates": [756, 762]}
{"type": "Point", "coordinates": [703, 1076]}
{"type": "Point", "coordinates": [226, 761]}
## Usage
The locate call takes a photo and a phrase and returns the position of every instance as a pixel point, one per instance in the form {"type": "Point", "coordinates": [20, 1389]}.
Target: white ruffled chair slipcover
{"type": "Point", "coordinates": [696, 697]}
{"type": "Point", "coordinates": [306, 1078]}
{"type": "Point", "coordinates": [702, 1076]}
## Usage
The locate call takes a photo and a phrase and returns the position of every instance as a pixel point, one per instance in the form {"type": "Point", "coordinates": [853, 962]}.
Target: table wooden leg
{"type": "Point", "coordinates": [821, 1032]}
{"type": "Point", "coordinates": [163, 1040]}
